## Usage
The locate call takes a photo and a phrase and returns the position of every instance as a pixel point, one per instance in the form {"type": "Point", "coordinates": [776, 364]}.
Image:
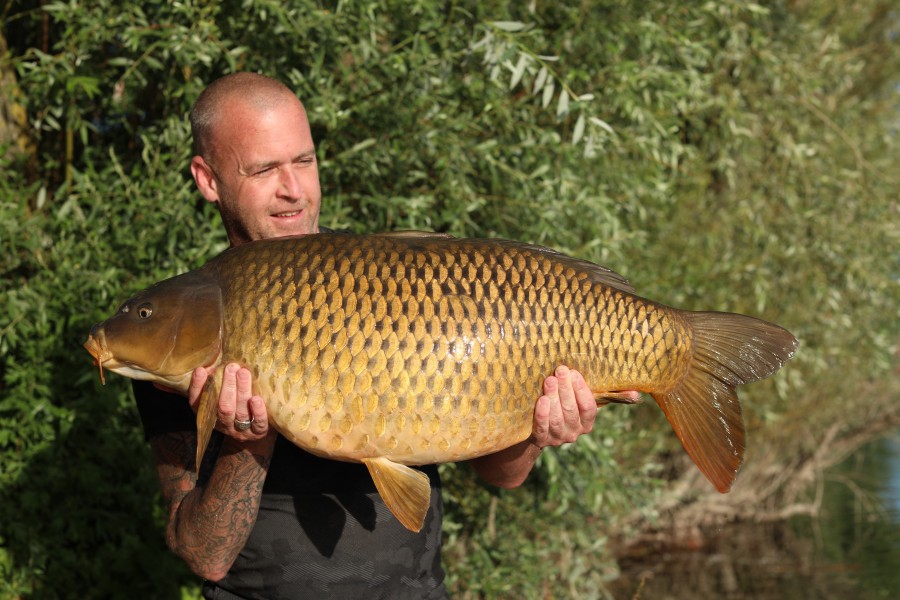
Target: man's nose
{"type": "Point", "coordinates": [291, 184]}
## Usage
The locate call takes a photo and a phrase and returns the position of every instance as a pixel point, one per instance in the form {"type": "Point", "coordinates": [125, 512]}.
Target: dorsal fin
{"type": "Point", "coordinates": [413, 234]}
{"type": "Point", "coordinates": [597, 273]}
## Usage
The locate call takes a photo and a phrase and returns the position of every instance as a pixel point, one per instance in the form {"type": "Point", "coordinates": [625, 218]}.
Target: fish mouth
{"type": "Point", "coordinates": [96, 346]}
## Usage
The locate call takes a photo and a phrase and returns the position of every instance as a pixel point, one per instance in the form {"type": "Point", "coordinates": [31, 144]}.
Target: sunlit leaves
{"type": "Point", "coordinates": [721, 155]}
{"type": "Point", "coordinates": [504, 51]}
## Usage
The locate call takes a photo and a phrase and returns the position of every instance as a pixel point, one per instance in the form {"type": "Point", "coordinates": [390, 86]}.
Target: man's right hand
{"type": "Point", "coordinates": [236, 402]}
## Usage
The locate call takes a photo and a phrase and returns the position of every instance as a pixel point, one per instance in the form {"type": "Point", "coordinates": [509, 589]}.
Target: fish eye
{"type": "Point", "coordinates": [144, 311]}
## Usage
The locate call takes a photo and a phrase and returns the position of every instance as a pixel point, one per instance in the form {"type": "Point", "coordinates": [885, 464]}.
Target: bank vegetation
{"type": "Point", "coordinates": [720, 155]}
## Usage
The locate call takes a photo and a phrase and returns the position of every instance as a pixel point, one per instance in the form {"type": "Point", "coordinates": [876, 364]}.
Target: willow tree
{"type": "Point", "coordinates": [725, 155]}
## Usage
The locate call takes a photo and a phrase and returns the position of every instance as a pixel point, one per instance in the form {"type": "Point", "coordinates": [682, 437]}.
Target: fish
{"type": "Point", "coordinates": [412, 348]}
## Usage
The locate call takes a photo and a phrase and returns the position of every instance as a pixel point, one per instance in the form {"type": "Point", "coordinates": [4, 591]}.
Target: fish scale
{"type": "Point", "coordinates": [407, 349]}
{"type": "Point", "coordinates": [419, 330]}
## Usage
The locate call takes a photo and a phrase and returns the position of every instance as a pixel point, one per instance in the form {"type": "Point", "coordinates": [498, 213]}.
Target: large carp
{"type": "Point", "coordinates": [412, 348]}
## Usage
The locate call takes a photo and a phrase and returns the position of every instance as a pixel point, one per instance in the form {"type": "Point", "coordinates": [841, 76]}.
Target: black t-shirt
{"type": "Point", "coordinates": [322, 531]}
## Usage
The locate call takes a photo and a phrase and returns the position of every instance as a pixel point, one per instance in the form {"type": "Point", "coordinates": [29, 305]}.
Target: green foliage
{"type": "Point", "coordinates": [725, 156]}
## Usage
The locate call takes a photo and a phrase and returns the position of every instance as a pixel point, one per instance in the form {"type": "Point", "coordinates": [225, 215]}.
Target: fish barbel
{"type": "Point", "coordinates": [411, 348]}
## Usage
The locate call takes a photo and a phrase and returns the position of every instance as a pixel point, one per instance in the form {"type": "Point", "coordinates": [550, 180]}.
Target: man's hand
{"type": "Point", "coordinates": [565, 411]}
{"type": "Point", "coordinates": [236, 402]}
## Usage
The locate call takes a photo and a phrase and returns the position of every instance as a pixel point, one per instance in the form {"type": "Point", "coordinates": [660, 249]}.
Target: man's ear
{"type": "Point", "coordinates": [205, 179]}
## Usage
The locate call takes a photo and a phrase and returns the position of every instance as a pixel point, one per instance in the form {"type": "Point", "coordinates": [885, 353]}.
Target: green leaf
{"type": "Point", "coordinates": [547, 94]}
{"type": "Point", "coordinates": [519, 70]}
{"type": "Point", "coordinates": [562, 105]}
{"type": "Point", "coordinates": [540, 79]}
{"type": "Point", "coordinates": [578, 130]}
{"type": "Point", "coordinates": [602, 125]}
{"type": "Point", "coordinates": [509, 26]}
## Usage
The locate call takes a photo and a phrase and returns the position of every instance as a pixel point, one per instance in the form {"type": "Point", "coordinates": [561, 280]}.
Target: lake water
{"type": "Point", "coordinates": [851, 550]}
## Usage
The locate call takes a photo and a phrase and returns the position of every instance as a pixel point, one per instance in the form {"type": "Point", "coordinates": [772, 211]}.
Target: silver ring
{"type": "Point", "coordinates": [243, 425]}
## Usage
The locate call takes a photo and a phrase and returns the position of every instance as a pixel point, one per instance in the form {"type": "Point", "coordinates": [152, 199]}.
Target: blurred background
{"type": "Point", "coordinates": [720, 155]}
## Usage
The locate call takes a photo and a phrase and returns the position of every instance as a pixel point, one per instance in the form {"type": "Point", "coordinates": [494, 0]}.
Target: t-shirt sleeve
{"type": "Point", "coordinates": [162, 412]}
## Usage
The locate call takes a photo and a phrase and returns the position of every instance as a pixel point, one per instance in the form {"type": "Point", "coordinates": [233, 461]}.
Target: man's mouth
{"type": "Point", "coordinates": [287, 215]}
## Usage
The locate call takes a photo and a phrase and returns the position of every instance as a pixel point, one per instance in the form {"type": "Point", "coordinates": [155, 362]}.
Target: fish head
{"type": "Point", "coordinates": [163, 333]}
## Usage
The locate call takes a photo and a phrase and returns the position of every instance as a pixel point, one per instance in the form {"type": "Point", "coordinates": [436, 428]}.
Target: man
{"type": "Point", "coordinates": [265, 519]}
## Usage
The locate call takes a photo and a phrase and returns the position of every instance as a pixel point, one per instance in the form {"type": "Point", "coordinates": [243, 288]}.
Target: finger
{"type": "Point", "coordinates": [228, 395]}
{"type": "Point", "coordinates": [567, 403]}
{"type": "Point", "coordinates": [541, 428]}
{"type": "Point", "coordinates": [243, 392]}
{"type": "Point", "coordinates": [587, 404]}
{"type": "Point", "coordinates": [551, 385]}
{"type": "Point", "coordinates": [555, 419]}
{"type": "Point", "coordinates": [260, 423]}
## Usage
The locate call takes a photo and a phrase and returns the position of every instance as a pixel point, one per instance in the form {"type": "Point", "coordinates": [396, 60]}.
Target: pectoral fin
{"type": "Point", "coordinates": [625, 397]}
{"type": "Point", "coordinates": [405, 491]}
{"type": "Point", "coordinates": [207, 413]}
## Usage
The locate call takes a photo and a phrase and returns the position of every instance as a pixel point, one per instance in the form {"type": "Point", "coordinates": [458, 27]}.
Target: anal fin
{"type": "Point", "coordinates": [405, 491]}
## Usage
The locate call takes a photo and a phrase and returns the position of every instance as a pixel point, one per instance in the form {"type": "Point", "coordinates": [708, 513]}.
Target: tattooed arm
{"type": "Point", "coordinates": [210, 517]}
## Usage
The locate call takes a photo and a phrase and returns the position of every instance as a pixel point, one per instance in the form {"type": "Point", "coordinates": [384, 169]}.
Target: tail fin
{"type": "Point", "coordinates": [703, 409]}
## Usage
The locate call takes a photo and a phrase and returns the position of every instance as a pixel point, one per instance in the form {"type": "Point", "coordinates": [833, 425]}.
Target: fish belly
{"type": "Point", "coordinates": [431, 352]}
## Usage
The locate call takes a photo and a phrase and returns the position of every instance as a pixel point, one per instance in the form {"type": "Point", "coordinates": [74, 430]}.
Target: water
{"type": "Point", "coordinates": [851, 550]}
{"type": "Point", "coordinates": [860, 528]}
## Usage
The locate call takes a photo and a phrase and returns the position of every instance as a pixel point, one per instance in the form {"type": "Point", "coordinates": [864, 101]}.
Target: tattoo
{"type": "Point", "coordinates": [210, 516]}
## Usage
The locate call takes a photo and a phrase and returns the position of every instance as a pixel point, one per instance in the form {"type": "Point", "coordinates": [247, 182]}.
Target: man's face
{"type": "Point", "coordinates": [262, 172]}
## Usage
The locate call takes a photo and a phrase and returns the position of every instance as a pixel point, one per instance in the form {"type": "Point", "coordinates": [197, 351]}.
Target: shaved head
{"type": "Point", "coordinates": [253, 90]}
{"type": "Point", "coordinates": [255, 158]}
